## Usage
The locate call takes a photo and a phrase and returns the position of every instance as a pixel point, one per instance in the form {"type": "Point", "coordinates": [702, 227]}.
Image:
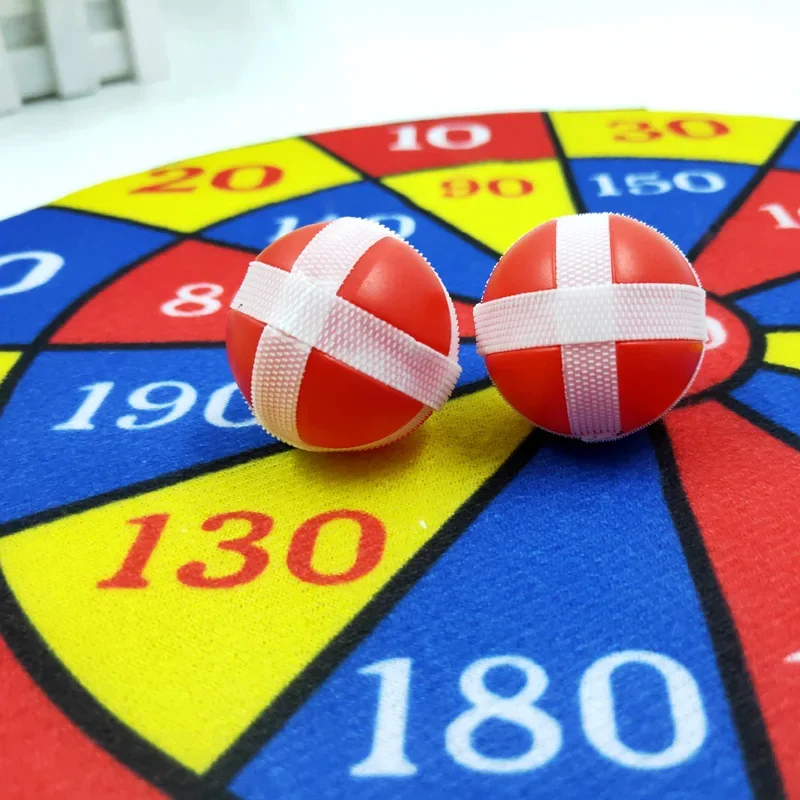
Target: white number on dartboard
{"type": "Point", "coordinates": [182, 398]}
{"type": "Point", "coordinates": [784, 219]}
{"type": "Point", "coordinates": [446, 136]}
{"type": "Point", "coordinates": [402, 224]}
{"type": "Point", "coordinates": [600, 723]}
{"type": "Point", "coordinates": [387, 756]}
{"type": "Point", "coordinates": [596, 705]}
{"type": "Point", "coordinates": [44, 269]}
{"type": "Point", "coordinates": [194, 300]}
{"type": "Point", "coordinates": [519, 709]}
{"type": "Point", "coordinates": [644, 184]}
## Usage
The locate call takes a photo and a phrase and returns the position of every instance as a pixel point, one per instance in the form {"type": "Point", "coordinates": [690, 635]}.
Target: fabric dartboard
{"type": "Point", "coordinates": [344, 335]}
{"type": "Point", "coordinates": [592, 325]}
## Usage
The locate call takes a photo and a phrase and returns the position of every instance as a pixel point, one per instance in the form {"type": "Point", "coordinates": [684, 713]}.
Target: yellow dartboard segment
{"type": "Point", "coordinates": [678, 134]}
{"type": "Point", "coordinates": [7, 361]}
{"type": "Point", "coordinates": [783, 349]}
{"type": "Point", "coordinates": [495, 202]}
{"type": "Point", "coordinates": [198, 192]}
{"type": "Point", "coordinates": [190, 668]}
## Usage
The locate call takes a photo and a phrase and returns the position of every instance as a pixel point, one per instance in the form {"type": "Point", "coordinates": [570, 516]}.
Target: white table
{"type": "Point", "coordinates": [244, 71]}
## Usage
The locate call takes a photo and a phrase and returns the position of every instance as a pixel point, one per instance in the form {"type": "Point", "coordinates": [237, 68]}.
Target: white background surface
{"type": "Point", "coordinates": [244, 71]}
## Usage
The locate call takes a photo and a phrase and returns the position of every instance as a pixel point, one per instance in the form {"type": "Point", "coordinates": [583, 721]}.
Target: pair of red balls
{"type": "Point", "coordinates": [342, 336]}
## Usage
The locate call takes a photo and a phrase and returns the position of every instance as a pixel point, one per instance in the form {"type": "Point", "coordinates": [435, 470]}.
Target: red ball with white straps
{"type": "Point", "coordinates": [592, 325]}
{"type": "Point", "coordinates": [342, 337]}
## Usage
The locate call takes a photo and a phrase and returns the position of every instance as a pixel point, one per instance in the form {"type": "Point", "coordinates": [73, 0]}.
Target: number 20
{"type": "Point", "coordinates": [181, 177]}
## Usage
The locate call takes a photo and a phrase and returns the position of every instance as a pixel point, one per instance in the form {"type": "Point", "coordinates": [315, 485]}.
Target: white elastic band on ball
{"type": "Point", "coordinates": [583, 260]}
{"type": "Point", "coordinates": [301, 311]}
{"type": "Point", "coordinates": [615, 312]}
{"type": "Point", "coordinates": [342, 330]}
{"type": "Point", "coordinates": [280, 360]}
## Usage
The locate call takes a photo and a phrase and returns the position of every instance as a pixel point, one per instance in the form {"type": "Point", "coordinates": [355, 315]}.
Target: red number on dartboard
{"type": "Point", "coordinates": [698, 128]}
{"type": "Point", "coordinates": [255, 559]}
{"type": "Point", "coordinates": [129, 575]}
{"type": "Point", "coordinates": [185, 174]}
{"type": "Point", "coordinates": [263, 176]}
{"type": "Point", "coordinates": [460, 187]}
{"type": "Point", "coordinates": [689, 128]}
{"type": "Point", "coordinates": [268, 177]}
{"type": "Point", "coordinates": [501, 187]}
{"type": "Point", "coordinates": [371, 541]}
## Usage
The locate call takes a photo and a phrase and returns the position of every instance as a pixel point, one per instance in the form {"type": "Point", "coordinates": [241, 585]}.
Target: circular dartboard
{"type": "Point", "coordinates": [190, 608]}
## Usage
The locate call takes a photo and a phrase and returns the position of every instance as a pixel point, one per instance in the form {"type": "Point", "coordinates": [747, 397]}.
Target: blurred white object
{"type": "Point", "coordinates": [70, 47]}
{"type": "Point", "coordinates": [246, 71]}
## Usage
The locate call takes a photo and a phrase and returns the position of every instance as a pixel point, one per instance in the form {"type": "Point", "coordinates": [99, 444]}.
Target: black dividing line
{"type": "Point", "coordinates": [760, 421]}
{"type": "Point", "coordinates": [13, 376]}
{"type": "Point", "coordinates": [463, 298]}
{"type": "Point", "coordinates": [741, 198]}
{"type": "Point", "coordinates": [349, 638]}
{"type": "Point", "coordinates": [442, 223]}
{"type": "Point", "coordinates": [781, 369]}
{"type": "Point", "coordinates": [794, 328]}
{"type": "Point", "coordinates": [762, 769]}
{"type": "Point", "coordinates": [249, 252]}
{"type": "Point", "coordinates": [763, 287]}
{"type": "Point", "coordinates": [111, 346]}
{"type": "Point", "coordinates": [753, 361]}
{"type": "Point", "coordinates": [200, 233]}
{"type": "Point", "coordinates": [110, 733]}
{"type": "Point", "coordinates": [481, 162]}
{"type": "Point", "coordinates": [17, 371]}
{"type": "Point", "coordinates": [83, 212]}
{"type": "Point", "coordinates": [131, 490]}
{"type": "Point", "coordinates": [561, 156]}
{"type": "Point", "coordinates": [471, 388]}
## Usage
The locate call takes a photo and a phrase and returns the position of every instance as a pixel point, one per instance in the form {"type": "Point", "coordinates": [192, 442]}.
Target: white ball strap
{"type": "Point", "coordinates": [301, 311]}
{"type": "Point", "coordinates": [583, 258]}
{"type": "Point", "coordinates": [587, 313]}
{"type": "Point", "coordinates": [615, 312]}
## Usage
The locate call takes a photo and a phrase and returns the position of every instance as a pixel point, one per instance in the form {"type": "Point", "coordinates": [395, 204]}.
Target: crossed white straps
{"type": "Point", "coordinates": [301, 311]}
{"type": "Point", "coordinates": [587, 314]}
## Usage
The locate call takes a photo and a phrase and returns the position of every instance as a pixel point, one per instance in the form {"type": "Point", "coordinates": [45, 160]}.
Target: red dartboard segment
{"type": "Point", "coordinates": [759, 242]}
{"type": "Point", "coordinates": [735, 477]}
{"type": "Point", "coordinates": [727, 346]}
{"type": "Point", "coordinates": [43, 754]}
{"type": "Point", "coordinates": [466, 322]}
{"type": "Point", "coordinates": [389, 149]}
{"type": "Point", "coordinates": [180, 295]}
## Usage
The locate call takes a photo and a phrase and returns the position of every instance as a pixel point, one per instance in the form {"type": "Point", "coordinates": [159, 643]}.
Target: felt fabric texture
{"type": "Point", "coordinates": [189, 608]}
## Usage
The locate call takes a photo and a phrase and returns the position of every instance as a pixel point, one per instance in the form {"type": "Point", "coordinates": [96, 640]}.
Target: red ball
{"type": "Point", "coordinates": [342, 337]}
{"type": "Point", "coordinates": [592, 326]}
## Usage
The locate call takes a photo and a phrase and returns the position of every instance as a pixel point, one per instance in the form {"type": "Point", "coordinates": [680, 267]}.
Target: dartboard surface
{"type": "Point", "coordinates": [190, 608]}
